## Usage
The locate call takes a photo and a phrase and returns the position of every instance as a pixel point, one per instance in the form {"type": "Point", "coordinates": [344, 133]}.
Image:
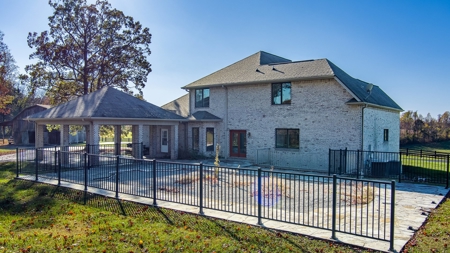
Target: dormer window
{"type": "Point", "coordinates": [202, 98]}
{"type": "Point", "coordinates": [281, 93]}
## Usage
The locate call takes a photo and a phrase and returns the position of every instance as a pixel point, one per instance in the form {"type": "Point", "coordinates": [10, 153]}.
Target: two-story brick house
{"type": "Point", "coordinates": [292, 111]}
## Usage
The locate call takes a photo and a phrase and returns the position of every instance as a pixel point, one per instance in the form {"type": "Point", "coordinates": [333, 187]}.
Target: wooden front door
{"type": "Point", "coordinates": [238, 143]}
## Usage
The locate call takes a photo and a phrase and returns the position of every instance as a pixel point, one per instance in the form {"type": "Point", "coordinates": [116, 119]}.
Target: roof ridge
{"type": "Point", "coordinates": [184, 87]}
{"type": "Point", "coordinates": [98, 101]}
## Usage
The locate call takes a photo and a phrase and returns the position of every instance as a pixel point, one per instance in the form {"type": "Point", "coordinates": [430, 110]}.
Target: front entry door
{"type": "Point", "coordinates": [238, 143]}
{"type": "Point", "coordinates": [164, 140]}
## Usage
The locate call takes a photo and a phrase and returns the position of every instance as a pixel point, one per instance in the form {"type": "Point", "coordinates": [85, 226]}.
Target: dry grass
{"type": "Point", "coordinates": [356, 193]}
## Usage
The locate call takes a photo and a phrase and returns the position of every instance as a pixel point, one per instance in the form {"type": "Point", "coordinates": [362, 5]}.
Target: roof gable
{"type": "Point", "coordinates": [179, 106]}
{"type": "Point", "coordinates": [358, 87]}
{"type": "Point", "coordinates": [106, 103]}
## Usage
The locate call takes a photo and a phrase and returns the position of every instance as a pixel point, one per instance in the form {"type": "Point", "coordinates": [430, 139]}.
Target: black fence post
{"type": "Point", "coordinates": [400, 171]}
{"type": "Point", "coordinates": [154, 182]}
{"type": "Point", "coordinates": [333, 210]}
{"type": "Point", "coordinates": [357, 164]}
{"type": "Point", "coordinates": [448, 167]}
{"type": "Point", "coordinates": [259, 196]}
{"type": "Point", "coordinates": [36, 164]}
{"type": "Point", "coordinates": [391, 239]}
{"type": "Point", "coordinates": [85, 177]}
{"type": "Point", "coordinates": [117, 176]}
{"type": "Point", "coordinates": [201, 189]}
{"type": "Point", "coordinates": [345, 162]}
{"type": "Point", "coordinates": [59, 167]}
{"type": "Point", "coordinates": [329, 161]}
{"type": "Point", "coordinates": [56, 161]}
{"type": "Point", "coordinates": [17, 162]}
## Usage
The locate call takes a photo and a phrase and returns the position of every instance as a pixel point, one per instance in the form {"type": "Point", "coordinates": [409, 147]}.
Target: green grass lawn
{"type": "Point", "coordinates": [434, 236]}
{"type": "Point", "coordinates": [36, 217]}
{"type": "Point", "coordinates": [443, 146]}
{"type": "Point", "coordinates": [4, 151]}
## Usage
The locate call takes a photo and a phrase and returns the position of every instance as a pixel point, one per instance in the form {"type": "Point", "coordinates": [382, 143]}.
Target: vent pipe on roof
{"type": "Point", "coordinates": [369, 87]}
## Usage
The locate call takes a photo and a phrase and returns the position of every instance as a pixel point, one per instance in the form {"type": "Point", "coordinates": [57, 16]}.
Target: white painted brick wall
{"type": "Point", "coordinates": [318, 109]}
{"type": "Point", "coordinates": [375, 121]}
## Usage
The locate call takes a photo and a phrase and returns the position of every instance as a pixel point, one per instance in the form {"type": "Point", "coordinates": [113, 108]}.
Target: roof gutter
{"type": "Point", "coordinates": [374, 105]}
{"type": "Point", "coordinates": [101, 118]}
{"type": "Point", "coordinates": [259, 82]}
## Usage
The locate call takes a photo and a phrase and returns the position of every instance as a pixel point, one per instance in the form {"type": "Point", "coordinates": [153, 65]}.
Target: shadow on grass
{"type": "Point", "coordinates": [424, 175]}
{"type": "Point", "coordinates": [44, 196]}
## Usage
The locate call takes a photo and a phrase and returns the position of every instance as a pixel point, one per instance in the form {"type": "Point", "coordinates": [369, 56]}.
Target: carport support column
{"type": "Point", "coordinates": [64, 143]}
{"type": "Point", "coordinates": [137, 140]}
{"type": "Point", "coordinates": [39, 139]}
{"type": "Point", "coordinates": [174, 142]}
{"type": "Point", "coordinates": [94, 143]}
{"type": "Point", "coordinates": [117, 138]}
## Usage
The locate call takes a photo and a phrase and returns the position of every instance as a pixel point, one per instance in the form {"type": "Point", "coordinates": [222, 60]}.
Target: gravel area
{"type": "Point", "coordinates": [7, 158]}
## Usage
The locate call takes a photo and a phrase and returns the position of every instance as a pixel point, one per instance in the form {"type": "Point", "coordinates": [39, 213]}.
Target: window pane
{"type": "Point", "coordinates": [209, 139]}
{"type": "Point", "coordinates": [281, 138]}
{"type": "Point", "coordinates": [294, 138]}
{"type": "Point", "coordinates": [286, 93]}
{"type": "Point", "coordinates": [276, 94]}
{"type": "Point", "coordinates": [205, 97]}
{"type": "Point", "coordinates": [199, 98]}
{"type": "Point", "coordinates": [243, 143]}
{"type": "Point", "coordinates": [195, 138]}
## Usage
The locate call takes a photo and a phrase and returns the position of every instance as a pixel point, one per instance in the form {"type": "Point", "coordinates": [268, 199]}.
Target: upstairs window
{"type": "Point", "coordinates": [281, 93]}
{"type": "Point", "coordinates": [287, 138]}
{"type": "Point", "coordinates": [201, 98]}
{"type": "Point", "coordinates": [386, 135]}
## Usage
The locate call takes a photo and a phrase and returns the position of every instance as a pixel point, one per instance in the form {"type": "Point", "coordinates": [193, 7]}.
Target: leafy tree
{"type": "Point", "coordinates": [414, 128]}
{"type": "Point", "coordinates": [8, 72]}
{"type": "Point", "coordinates": [88, 46]}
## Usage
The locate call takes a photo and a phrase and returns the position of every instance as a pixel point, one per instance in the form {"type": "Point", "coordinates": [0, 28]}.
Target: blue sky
{"type": "Point", "coordinates": [401, 46]}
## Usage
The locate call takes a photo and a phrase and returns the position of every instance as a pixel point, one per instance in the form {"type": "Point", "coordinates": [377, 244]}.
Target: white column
{"type": "Point", "coordinates": [117, 138]}
{"type": "Point", "coordinates": [64, 144]}
{"type": "Point", "coordinates": [174, 142]}
{"type": "Point", "coordinates": [137, 140]}
{"type": "Point", "coordinates": [95, 136]}
{"type": "Point", "coordinates": [152, 141]}
{"type": "Point", "coordinates": [64, 135]}
{"type": "Point", "coordinates": [39, 136]}
{"type": "Point", "coordinates": [39, 140]}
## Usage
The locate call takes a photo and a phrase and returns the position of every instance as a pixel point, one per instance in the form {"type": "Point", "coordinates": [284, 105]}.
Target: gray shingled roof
{"type": "Point", "coordinates": [106, 103]}
{"type": "Point", "coordinates": [263, 67]}
{"type": "Point", "coordinates": [179, 106]}
{"type": "Point", "coordinates": [204, 116]}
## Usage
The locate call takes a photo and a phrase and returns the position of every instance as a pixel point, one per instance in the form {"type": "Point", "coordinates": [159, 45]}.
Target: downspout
{"type": "Point", "coordinates": [190, 103]}
{"type": "Point", "coordinates": [362, 127]}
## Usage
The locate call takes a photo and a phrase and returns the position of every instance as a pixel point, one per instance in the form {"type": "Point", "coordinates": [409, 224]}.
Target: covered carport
{"type": "Point", "coordinates": [151, 124]}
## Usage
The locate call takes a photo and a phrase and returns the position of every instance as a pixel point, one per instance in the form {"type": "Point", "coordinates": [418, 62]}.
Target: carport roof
{"type": "Point", "coordinates": [106, 103]}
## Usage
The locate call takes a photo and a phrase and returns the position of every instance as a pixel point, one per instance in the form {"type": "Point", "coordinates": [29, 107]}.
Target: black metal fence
{"type": "Point", "coordinates": [408, 165]}
{"type": "Point", "coordinates": [354, 206]}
